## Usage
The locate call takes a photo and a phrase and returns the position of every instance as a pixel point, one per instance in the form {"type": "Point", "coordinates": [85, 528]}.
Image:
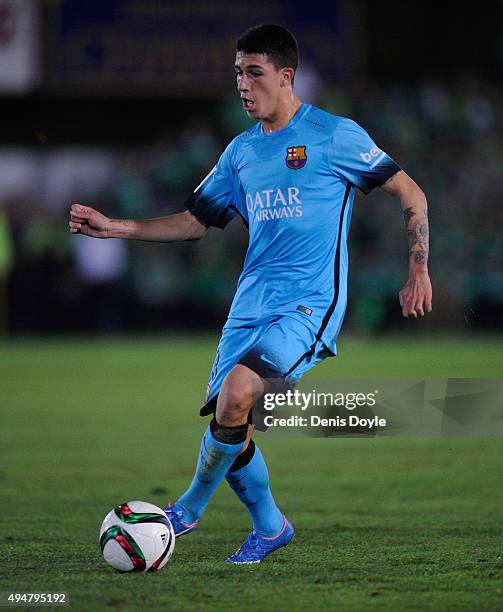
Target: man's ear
{"type": "Point", "coordinates": [286, 76]}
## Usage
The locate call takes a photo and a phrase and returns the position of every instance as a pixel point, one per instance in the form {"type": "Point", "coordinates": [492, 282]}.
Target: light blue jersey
{"type": "Point", "coordinates": [294, 189]}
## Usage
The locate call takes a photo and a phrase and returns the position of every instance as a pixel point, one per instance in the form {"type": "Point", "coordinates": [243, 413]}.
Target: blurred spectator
{"type": "Point", "coordinates": [101, 265]}
{"type": "Point", "coordinates": [6, 261]}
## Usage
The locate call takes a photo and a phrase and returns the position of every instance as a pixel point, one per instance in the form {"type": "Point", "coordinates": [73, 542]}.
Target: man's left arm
{"type": "Point", "coordinates": [415, 297]}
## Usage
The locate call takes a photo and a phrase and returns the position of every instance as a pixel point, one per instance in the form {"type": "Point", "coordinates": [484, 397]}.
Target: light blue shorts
{"type": "Point", "coordinates": [284, 348]}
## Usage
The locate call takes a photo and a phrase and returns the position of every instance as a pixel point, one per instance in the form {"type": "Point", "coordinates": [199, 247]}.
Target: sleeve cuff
{"type": "Point", "coordinates": [206, 212]}
{"type": "Point", "coordinates": [389, 169]}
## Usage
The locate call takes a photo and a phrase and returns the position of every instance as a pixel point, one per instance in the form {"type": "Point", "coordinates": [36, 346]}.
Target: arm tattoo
{"type": "Point", "coordinates": [417, 234]}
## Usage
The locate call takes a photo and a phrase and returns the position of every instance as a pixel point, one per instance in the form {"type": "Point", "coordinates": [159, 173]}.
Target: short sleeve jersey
{"type": "Point", "coordinates": [294, 190]}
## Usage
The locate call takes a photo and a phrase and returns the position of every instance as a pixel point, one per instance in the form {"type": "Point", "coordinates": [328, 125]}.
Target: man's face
{"type": "Point", "coordinates": [258, 83]}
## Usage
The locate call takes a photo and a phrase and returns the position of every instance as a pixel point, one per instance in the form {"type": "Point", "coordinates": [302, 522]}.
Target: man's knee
{"type": "Point", "coordinates": [240, 389]}
{"type": "Point", "coordinates": [234, 392]}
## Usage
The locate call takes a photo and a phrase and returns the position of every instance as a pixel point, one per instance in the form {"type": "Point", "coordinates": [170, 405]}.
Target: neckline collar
{"type": "Point", "coordinates": [301, 112]}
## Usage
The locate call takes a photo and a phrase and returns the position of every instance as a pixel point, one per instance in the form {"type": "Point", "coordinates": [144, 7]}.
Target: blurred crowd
{"type": "Point", "coordinates": [449, 139]}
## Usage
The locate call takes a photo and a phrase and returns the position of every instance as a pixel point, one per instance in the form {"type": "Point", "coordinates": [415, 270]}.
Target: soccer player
{"type": "Point", "coordinates": [292, 179]}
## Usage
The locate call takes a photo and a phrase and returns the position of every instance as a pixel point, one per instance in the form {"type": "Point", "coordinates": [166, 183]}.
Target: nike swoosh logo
{"type": "Point", "coordinates": [267, 360]}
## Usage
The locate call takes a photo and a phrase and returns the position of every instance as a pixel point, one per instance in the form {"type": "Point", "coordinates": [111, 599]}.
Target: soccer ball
{"type": "Point", "coordinates": [137, 537]}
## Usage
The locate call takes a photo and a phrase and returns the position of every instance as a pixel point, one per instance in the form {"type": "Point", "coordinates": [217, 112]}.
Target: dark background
{"type": "Point", "coordinates": [133, 102]}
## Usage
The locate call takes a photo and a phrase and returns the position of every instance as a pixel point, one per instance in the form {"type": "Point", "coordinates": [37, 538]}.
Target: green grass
{"type": "Point", "coordinates": [382, 523]}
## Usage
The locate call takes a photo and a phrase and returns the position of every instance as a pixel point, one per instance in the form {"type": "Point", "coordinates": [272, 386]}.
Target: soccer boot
{"type": "Point", "coordinates": [256, 548]}
{"type": "Point", "coordinates": [175, 516]}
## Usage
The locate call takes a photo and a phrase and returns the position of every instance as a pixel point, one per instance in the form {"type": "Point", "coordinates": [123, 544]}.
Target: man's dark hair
{"type": "Point", "coordinates": [274, 41]}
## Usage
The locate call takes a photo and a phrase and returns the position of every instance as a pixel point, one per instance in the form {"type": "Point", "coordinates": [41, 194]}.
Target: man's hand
{"type": "Point", "coordinates": [85, 220]}
{"type": "Point", "coordinates": [415, 297]}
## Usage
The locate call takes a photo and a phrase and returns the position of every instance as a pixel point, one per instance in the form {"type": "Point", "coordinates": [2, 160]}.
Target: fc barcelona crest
{"type": "Point", "coordinates": [296, 157]}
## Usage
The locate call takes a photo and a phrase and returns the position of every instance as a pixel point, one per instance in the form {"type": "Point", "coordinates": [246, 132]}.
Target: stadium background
{"type": "Point", "coordinates": [127, 105]}
{"type": "Point", "coordinates": [105, 346]}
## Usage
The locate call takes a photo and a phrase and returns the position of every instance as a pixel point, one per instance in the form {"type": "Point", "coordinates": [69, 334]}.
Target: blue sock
{"type": "Point", "coordinates": [251, 485]}
{"type": "Point", "coordinates": [215, 458]}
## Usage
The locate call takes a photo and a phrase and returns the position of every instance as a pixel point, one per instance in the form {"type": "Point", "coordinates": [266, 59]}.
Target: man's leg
{"type": "Point", "coordinates": [283, 352]}
{"type": "Point", "coordinates": [222, 442]}
{"type": "Point", "coordinates": [249, 479]}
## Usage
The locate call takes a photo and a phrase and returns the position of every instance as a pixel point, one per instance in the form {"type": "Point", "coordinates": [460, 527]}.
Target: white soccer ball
{"type": "Point", "coordinates": [137, 537]}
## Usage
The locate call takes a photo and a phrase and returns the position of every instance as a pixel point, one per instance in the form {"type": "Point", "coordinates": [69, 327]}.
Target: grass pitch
{"type": "Point", "coordinates": [382, 523]}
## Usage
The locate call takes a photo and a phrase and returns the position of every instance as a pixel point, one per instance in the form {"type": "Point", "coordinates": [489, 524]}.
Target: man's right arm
{"type": "Point", "coordinates": [173, 228]}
